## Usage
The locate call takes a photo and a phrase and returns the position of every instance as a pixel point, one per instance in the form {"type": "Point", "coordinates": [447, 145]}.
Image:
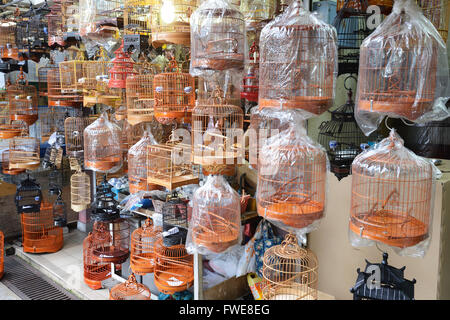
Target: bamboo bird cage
{"type": "Point", "coordinates": [116, 245]}
{"type": "Point", "coordinates": [58, 97]}
{"type": "Point", "coordinates": [71, 73]}
{"type": "Point", "coordinates": [80, 190]}
{"type": "Point", "coordinates": [5, 165]}
{"type": "Point", "coordinates": [23, 100]}
{"type": "Point", "coordinates": [137, 16]}
{"type": "Point", "coordinates": [2, 247]}
{"type": "Point", "coordinates": [142, 255]}
{"type": "Point", "coordinates": [74, 137]}
{"type": "Point", "coordinates": [11, 128]}
{"type": "Point", "coordinates": [140, 102]}
{"type": "Point", "coordinates": [257, 11]}
{"type": "Point", "coordinates": [51, 122]}
{"type": "Point", "coordinates": [289, 272]}
{"type": "Point", "coordinates": [94, 271]}
{"type": "Point", "coordinates": [130, 290]}
{"type": "Point", "coordinates": [24, 153]}
{"type": "Point", "coordinates": [384, 5]}
{"type": "Point", "coordinates": [55, 24]}
{"type": "Point", "coordinates": [8, 48]}
{"type": "Point", "coordinates": [438, 12]}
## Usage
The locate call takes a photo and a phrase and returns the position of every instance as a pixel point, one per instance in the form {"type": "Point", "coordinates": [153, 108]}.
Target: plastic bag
{"type": "Point", "coordinates": [226, 263]}
{"type": "Point", "coordinates": [264, 242]}
{"type": "Point", "coordinates": [216, 218]}
{"type": "Point", "coordinates": [392, 198]}
{"type": "Point", "coordinates": [247, 262]}
{"type": "Point", "coordinates": [403, 70]}
{"type": "Point", "coordinates": [298, 62]}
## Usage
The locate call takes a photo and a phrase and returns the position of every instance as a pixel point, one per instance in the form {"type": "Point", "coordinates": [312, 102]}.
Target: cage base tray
{"type": "Point", "coordinates": [28, 119]}
{"type": "Point", "coordinates": [9, 133]}
{"type": "Point", "coordinates": [214, 242]}
{"type": "Point", "coordinates": [143, 263]}
{"type": "Point", "coordinates": [103, 165]}
{"type": "Point", "coordinates": [181, 38]}
{"type": "Point", "coordinates": [13, 172]}
{"type": "Point", "coordinates": [50, 244]}
{"type": "Point", "coordinates": [401, 106]}
{"type": "Point", "coordinates": [314, 105]}
{"type": "Point", "coordinates": [175, 183]}
{"type": "Point", "coordinates": [284, 293]}
{"type": "Point", "coordinates": [162, 279]}
{"type": "Point", "coordinates": [134, 119]}
{"type": "Point", "coordinates": [111, 255]}
{"type": "Point", "coordinates": [237, 62]}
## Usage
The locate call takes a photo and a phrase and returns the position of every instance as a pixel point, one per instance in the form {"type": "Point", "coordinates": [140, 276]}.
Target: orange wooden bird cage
{"type": "Point", "coordinates": [23, 100]}
{"type": "Point", "coordinates": [216, 216]}
{"type": "Point", "coordinates": [74, 137]}
{"type": "Point", "coordinates": [24, 153]}
{"type": "Point", "coordinates": [130, 290]}
{"type": "Point", "coordinates": [11, 128]}
{"type": "Point", "coordinates": [80, 190]}
{"type": "Point", "coordinates": [5, 165]}
{"type": "Point", "coordinates": [438, 12]}
{"type": "Point", "coordinates": [95, 271]}
{"type": "Point", "coordinates": [142, 256]}
{"type": "Point", "coordinates": [384, 5]}
{"type": "Point", "coordinates": [116, 245]}
{"type": "Point", "coordinates": [39, 234]}
{"type": "Point", "coordinates": [102, 149]}
{"type": "Point", "coordinates": [8, 48]}
{"type": "Point", "coordinates": [289, 272]}
{"type": "Point", "coordinates": [174, 94]}
{"type": "Point", "coordinates": [140, 102]}
{"type": "Point", "coordinates": [72, 74]}
{"type": "Point", "coordinates": [303, 74]}
{"type": "Point", "coordinates": [391, 195]}
{"type": "Point", "coordinates": [2, 246]}
{"type": "Point", "coordinates": [58, 97]}
{"type": "Point", "coordinates": [55, 24]}
{"type": "Point", "coordinates": [174, 268]}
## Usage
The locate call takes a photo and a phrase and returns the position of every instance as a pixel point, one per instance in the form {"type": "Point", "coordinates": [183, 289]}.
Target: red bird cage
{"type": "Point", "coordinates": [216, 217]}
{"type": "Point", "coordinates": [102, 149]}
{"type": "Point", "coordinates": [95, 271]}
{"type": "Point", "coordinates": [174, 94]}
{"type": "Point", "coordinates": [74, 138]}
{"type": "Point", "coordinates": [55, 24]}
{"type": "Point", "coordinates": [39, 233]}
{"type": "Point", "coordinates": [122, 68]}
{"type": "Point", "coordinates": [5, 165]}
{"type": "Point", "coordinates": [80, 190]}
{"type": "Point", "coordinates": [174, 268]}
{"type": "Point", "coordinates": [298, 62]}
{"type": "Point", "coordinates": [116, 245]}
{"type": "Point", "coordinates": [142, 257]}
{"type": "Point", "coordinates": [140, 100]}
{"type": "Point", "coordinates": [58, 97]}
{"type": "Point", "coordinates": [384, 5]}
{"type": "Point", "coordinates": [23, 100]}
{"type": "Point", "coordinates": [391, 195]}
{"type": "Point", "coordinates": [2, 247]}
{"type": "Point", "coordinates": [251, 80]}
{"type": "Point", "coordinates": [24, 153]}
{"type": "Point", "coordinates": [130, 290]}
{"type": "Point", "coordinates": [438, 12]}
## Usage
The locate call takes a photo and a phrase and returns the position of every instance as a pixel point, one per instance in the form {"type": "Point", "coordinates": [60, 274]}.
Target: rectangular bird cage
{"type": "Point", "coordinates": [57, 97]}
{"type": "Point", "coordinates": [438, 12]}
{"type": "Point", "coordinates": [31, 33]}
{"type": "Point", "coordinates": [24, 153]}
{"type": "Point", "coordinates": [55, 24]}
{"type": "Point", "coordinates": [140, 98]}
{"type": "Point", "coordinates": [169, 165]}
{"type": "Point", "coordinates": [256, 11]}
{"type": "Point", "coordinates": [71, 72]}
{"type": "Point", "coordinates": [74, 128]}
{"type": "Point", "coordinates": [137, 16]}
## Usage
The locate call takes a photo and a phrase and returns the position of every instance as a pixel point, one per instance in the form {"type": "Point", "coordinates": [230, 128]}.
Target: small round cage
{"type": "Point", "coordinates": [94, 271]}
{"type": "Point", "coordinates": [58, 97]}
{"type": "Point", "coordinates": [80, 190]}
{"type": "Point", "coordinates": [142, 256]}
{"type": "Point", "coordinates": [24, 153]}
{"type": "Point", "coordinates": [438, 12]}
{"type": "Point", "coordinates": [28, 196]}
{"type": "Point", "coordinates": [175, 221]}
{"type": "Point", "coordinates": [2, 246]}
{"type": "Point", "coordinates": [60, 212]}
{"type": "Point", "coordinates": [140, 100]}
{"type": "Point", "coordinates": [23, 100]}
{"type": "Point", "coordinates": [122, 68]}
{"type": "Point", "coordinates": [74, 137]}
{"type": "Point", "coordinates": [130, 290]}
{"type": "Point", "coordinates": [116, 245]}
{"type": "Point", "coordinates": [5, 165]}
{"type": "Point", "coordinates": [104, 208]}
{"type": "Point", "coordinates": [55, 24]}
{"type": "Point", "coordinates": [289, 272]}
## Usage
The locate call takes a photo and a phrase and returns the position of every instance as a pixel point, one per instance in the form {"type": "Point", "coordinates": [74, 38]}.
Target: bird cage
{"type": "Point", "coordinates": [58, 97]}
{"type": "Point", "coordinates": [174, 268]}
{"type": "Point", "coordinates": [11, 128]}
{"type": "Point", "coordinates": [140, 102]}
{"type": "Point", "coordinates": [23, 100]}
{"type": "Point", "coordinates": [31, 31]}
{"type": "Point", "coordinates": [216, 217]}
{"type": "Point", "coordinates": [116, 245]}
{"type": "Point", "coordinates": [122, 68]}
{"type": "Point", "coordinates": [256, 11]}
{"type": "Point", "coordinates": [5, 165]}
{"type": "Point", "coordinates": [217, 38]}
{"type": "Point", "coordinates": [438, 12]}
{"type": "Point", "coordinates": [39, 234]}
{"type": "Point", "coordinates": [216, 132]}
{"type": "Point", "coordinates": [142, 256]}
{"type": "Point", "coordinates": [251, 79]}
{"type": "Point", "coordinates": [298, 62]}
{"type": "Point", "coordinates": [174, 94]}
{"type": "Point", "coordinates": [175, 221]}
{"type": "Point", "coordinates": [55, 24]}
{"type": "Point", "coordinates": [70, 17]}
{"type": "Point", "coordinates": [71, 73]}
{"type": "Point", "coordinates": [170, 22]}
{"type": "Point", "coordinates": [74, 128]}
{"type": "Point", "coordinates": [100, 17]}
{"type": "Point", "coordinates": [289, 272]}
{"type": "Point", "coordinates": [55, 182]}
{"type": "Point", "coordinates": [28, 196]}
{"type": "Point", "coordinates": [385, 6]}
{"type": "Point", "coordinates": [403, 68]}
{"type": "Point", "coordinates": [7, 34]}
{"type": "Point", "coordinates": [169, 165]}
{"type": "Point", "coordinates": [228, 83]}
{"type": "Point", "coordinates": [292, 173]}
{"type": "Point", "coordinates": [2, 247]}
{"type": "Point", "coordinates": [130, 290]}
{"type": "Point", "coordinates": [102, 150]}
{"type": "Point", "coordinates": [105, 207]}
{"type": "Point", "coordinates": [342, 138]}
{"type": "Point", "coordinates": [42, 78]}
{"type": "Point", "coordinates": [391, 196]}
{"type": "Point", "coordinates": [94, 271]}
{"type": "Point", "coordinates": [59, 212]}
{"type": "Point", "coordinates": [80, 191]}
{"type": "Point", "coordinates": [137, 16]}
{"type": "Point", "coordinates": [50, 122]}
{"type": "Point", "coordinates": [24, 153]}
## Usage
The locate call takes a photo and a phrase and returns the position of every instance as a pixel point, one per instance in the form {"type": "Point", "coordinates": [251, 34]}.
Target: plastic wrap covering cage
{"type": "Point", "coordinates": [2, 246]}
{"type": "Point", "coordinates": [39, 234]}
{"type": "Point", "coordinates": [227, 81]}
{"type": "Point", "coordinates": [403, 70]}
{"type": "Point", "coordinates": [55, 24]}
{"type": "Point", "coordinates": [99, 16]}
{"type": "Point", "coordinates": [5, 165]}
{"type": "Point", "coordinates": [255, 11]}
{"type": "Point", "coordinates": [170, 21]}
{"type": "Point", "coordinates": [58, 97]}
{"type": "Point", "coordinates": [23, 100]}
{"type": "Point", "coordinates": [438, 12]}
{"type": "Point", "coordinates": [217, 38]}
{"type": "Point", "coordinates": [116, 245]}
{"type": "Point", "coordinates": [102, 150]}
{"type": "Point", "coordinates": [24, 153]}
{"type": "Point", "coordinates": [130, 290]}
{"type": "Point", "coordinates": [142, 257]}
{"type": "Point", "coordinates": [174, 94]}
{"type": "Point", "coordinates": [392, 198]}
{"type": "Point", "coordinates": [174, 268]}
{"type": "Point", "coordinates": [384, 5]}
{"type": "Point", "coordinates": [289, 272]}
{"type": "Point", "coordinates": [80, 189]}
{"type": "Point", "coordinates": [292, 172]}
{"type": "Point", "coordinates": [298, 62]}
{"type": "Point", "coordinates": [216, 217]}
{"type": "Point", "coordinates": [74, 137]}
{"type": "Point", "coordinates": [95, 271]}
{"type": "Point", "coordinates": [140, 102]}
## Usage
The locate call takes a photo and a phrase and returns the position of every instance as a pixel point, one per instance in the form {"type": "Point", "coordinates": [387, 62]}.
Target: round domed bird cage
{"type": "Point", "coordinates": [289, 272]}
{"type": "Point", "coordinates": [384, 5]}
{"type": "Point", "coordinates": [23, 100]}
{"type": "Point", "coordinates": [8, 48]}
{"type": "Point", "coordinates": [58, 97]}
{"type": "Point", "coordinates": [59, 212]}
{"type": "Point", "coordinates": [140, 102]}
{"type": "Point", "coordinates": [298, 62]}
{"type": "Point", "coordinates": [175, 221]}
{"type": "Point", "coordinates": [130, 290]}
{"type": "Point", "coordinates": [80, 190]}
{"type": "Point", "coordinates": [24, 153]}
{"type": "Point", "coordinates": [104, 208]}
{"type": "Point", "coordinates": [251, 80]}
{"type": "Point", "coordinates": [55, 25]}
{"type": "Point", "coordinates": [5, 165]}
{"type": "Point", "coordinates": [438, 12]}
{"type": "Point", "coordinates": [74, 137]}
{"type": "Point", "coordinates": [257, 11]}
{"type": "Point", "coordinates": [102, 151]}
{"type": "Point", "coordinates": [28, 196]}
{"type": "Point", "coordinates": [174, 268]}
{"type": "Point", "coordinates": [94, 271]}
{"type": "Point", "coordinates": [174, 94]}
{"type": "Point", "coordinates": [170, 22]}
{"type": "Point", "coordinates": [11, 128]}
{"type": "Point", "coordinates": [142, 256]}
{"type": "Point", "coordinates": [39, 233]}
{"type": "Point", "coordinates": [116, 245]}
{"type": "Point", "coordinates": [216, 216]}
{"type": "Point", "coordinates": [391, 195]}
{"type": "Point", "coordinates": [217, 37]}
{"type": "Point", "coordinates": [2, 246]}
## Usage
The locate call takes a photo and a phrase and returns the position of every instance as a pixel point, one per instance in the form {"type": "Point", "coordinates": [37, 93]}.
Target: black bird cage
{"type": "Point", "coordinates": [28, 196]}
{"type": "Point", "coordinates": [391, 284]}
{"type": "Point", "coordinates": [31, 34]}
{"type": "Point", "coordinates": [59, 212]}
{"type": "Point", "coordinates": [54, 182]}
{"type": "Point", "coordinates": [104, 207]}
{"type": "Point", "coordinates": [175, 221]}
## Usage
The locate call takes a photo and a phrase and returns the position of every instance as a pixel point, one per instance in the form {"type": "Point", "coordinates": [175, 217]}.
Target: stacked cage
{"type": "Point", "coordinates": [140, 100]}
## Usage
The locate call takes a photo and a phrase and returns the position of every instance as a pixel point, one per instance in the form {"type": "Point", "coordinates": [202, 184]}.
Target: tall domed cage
{"type": "Point", "coordinates": [55, 24]}
{"type": "Point", "coordinates": [58, 97]}
{"type": "Point", "coordinates": [384, 5]}
{"type": "Point", "coordinates": [2, 247]}
{"type": "Point", "coordinates": [438, 12]}
{"type": "Point", "coordinates": [251, 79]}
{"type": "Point", "coordinates": [28, 196]}
{"type": "Point", "coordinates": [175, 221]}
{"type": "Point", "coordinates": [289, 272]}
{"type": "Point", "coordinates": [130, 290]}
{"type": "Point", "coordinates": [8, 48]}
{"type": "Point", "coordinates": [5, 165]}
{"type": "Point", "coordinates": [142, 255]}
{"type": "Point", "coordinates": [39, 233]}
{"type": "Point", "coordinates": [116, 245]}
{"type": "Point", "coordinates": [102, 151]}
{"type": "Point", "coordinates": [24, 153]}
{"type": "Point", "coordinates": [391, 195]}
{"type": "Point", "coordinates": [80, 191]}
{"type": "Point", "coordinates": [60, 211]}
{"type": "Point", "coordinates": [170, 22]}
{"type": "Point", "coordinates": [105, 207]}
{"type": "Point", "coordinates": [174, 94]}
{"type": "Point", "coordinates": [140, 102]}
{"type": "Point", "coordinates": [74, 137]}
{"type": "Point", "coordinates": [122, 67]}
{"type": "Point", "coordinates": [257, 11]}
{"type": "Point", "coordinates": [298, 62]}
{"type": "Point", "coordinates": [174, 268]}
{"type": "Point", "coordinates": [23, 100]}
{"type": "Point", "coordinates": [95, 271]}
{"type": "Point", "coordinates": [217, 37]}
